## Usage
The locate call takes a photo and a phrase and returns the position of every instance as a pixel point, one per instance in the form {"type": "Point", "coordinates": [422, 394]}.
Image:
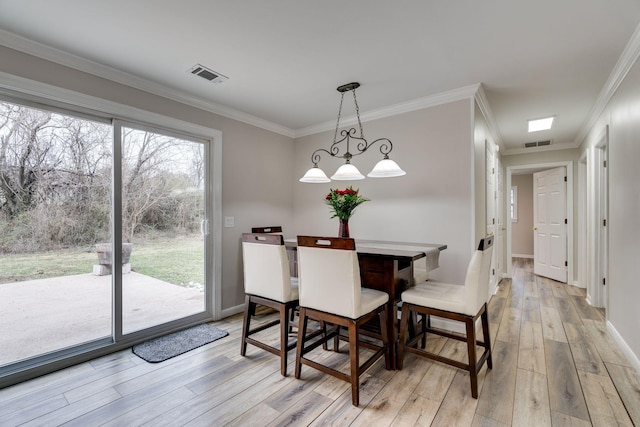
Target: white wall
{"type": "Point", "coordinates": [522, 230]}
{"type": "Point", "coordinates": [432, 203]}
{"type": "Point", "coordinates": [623, 117]}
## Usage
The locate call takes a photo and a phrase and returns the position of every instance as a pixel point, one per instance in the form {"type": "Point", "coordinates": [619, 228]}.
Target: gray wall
{"type": "Point", "coordinates": [432, 203]}
{"type": "Point", "coordinates": [522, 230]}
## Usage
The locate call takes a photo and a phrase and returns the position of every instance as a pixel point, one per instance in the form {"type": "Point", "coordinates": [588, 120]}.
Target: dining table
{"type": "Point", "coordinates": [386, 266]}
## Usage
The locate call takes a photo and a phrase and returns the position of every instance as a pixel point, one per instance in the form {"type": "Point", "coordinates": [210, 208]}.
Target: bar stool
{"type": "Point", "coordinates": [267, 282]}
{"type": "Point", "coordinates": [330, 292]}
{"type": "Point", "coordinates": [460, 303]}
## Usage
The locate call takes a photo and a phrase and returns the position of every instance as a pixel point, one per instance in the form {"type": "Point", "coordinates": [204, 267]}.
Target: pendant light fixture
{"type": "Point", "coordinates": [385, 168]}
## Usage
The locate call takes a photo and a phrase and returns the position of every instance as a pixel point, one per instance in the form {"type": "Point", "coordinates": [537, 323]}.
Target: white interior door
{"type": "Point", "coordinates": [490, 200]}
{"type": "Point", "coordinates": [549, 221]}
{"type": "Point", "coordinates": [500, 228]}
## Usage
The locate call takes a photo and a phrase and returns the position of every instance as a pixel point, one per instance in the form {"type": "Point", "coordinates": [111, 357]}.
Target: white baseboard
{"type": "Point", "coordinates": [578, 285]}
{"type": "Point", "coordinates": [622, 343]}
{"type": "Point", "coordinates": [521, 256]}
{"type": "Point", "coordinates": [226, 312]}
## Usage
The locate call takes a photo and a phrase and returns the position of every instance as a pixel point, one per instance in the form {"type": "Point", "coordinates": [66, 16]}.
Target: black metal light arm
{"type": "Point", "coordinates": [362, 146]}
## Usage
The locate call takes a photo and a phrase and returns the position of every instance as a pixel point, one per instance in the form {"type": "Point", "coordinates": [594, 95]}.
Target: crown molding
{"type": "Point", "coordinates": [483, 104]}
{"type": "Point", "coordinates": [466, 92]}
{"type": "Point", "coordinates": [629, 56]}
{"type": "Point", "coordinates": [13, 41]}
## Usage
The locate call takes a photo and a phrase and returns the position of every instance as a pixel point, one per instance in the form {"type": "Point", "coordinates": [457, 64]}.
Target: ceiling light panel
{"type": "Point", "coordinates": [540, 124]}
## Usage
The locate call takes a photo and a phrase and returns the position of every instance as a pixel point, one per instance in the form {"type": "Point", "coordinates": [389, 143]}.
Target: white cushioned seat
{"type": "Point", "coordinates": [267, 282]}
{"type": "Point", "coordinates": [331, 292]}
{"type": "Point", "coordinates": [444, 296]}
{"type": "Point", "coordinates": [463, 303]}
{"type": "Point", "coordinates": [266, 271]}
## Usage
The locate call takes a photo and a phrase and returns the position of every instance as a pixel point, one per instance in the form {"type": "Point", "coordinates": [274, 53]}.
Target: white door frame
{"type": "Point", "coordinates": [596, 255]}
{"type": "Point", "coordinates": [541, 166]}
{"type": "Point", "coordinates": [583, 274]}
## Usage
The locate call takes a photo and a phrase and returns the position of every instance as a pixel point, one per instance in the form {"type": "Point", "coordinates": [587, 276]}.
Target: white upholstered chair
{"type": "Point", "coordinates": [267, 282]}
{"type": "Point", "coordinates": [455, 302]}
{"type": "Point", "coordinates": [331, 292]}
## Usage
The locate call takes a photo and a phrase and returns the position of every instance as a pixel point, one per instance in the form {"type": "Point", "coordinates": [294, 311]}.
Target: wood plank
{"type": "Point", "coordinates": [531, 309]}
{"type": "Point", "coordinates": [480, 421]}
{"type": "Point", "coordinates": [342, 411]}
{"type": "Point", "coordinates": [607, 347]}
{"type": "Point", "coordinates": [237, 405]}
{"type": "Point", "coordinates": [458, 407]}
{"type": "Point", "coordinates": [417, 411]}
{"type": "Point", "coordinates": [150, 410]}
{"type": "Point", "coordinates": [498, 391]}
{"type": "Point", "coordinates": [563, 420]}
{"type": "Point", "coordinates": [565, 392]}
{"type": "Point", "coordinates": [221, 392]}
{"type": "Point", "coordinates": [531, 349]}
{"type": "Point", "coordinates": [605, 406]}
{"type": "Point", "coordinates": [585, 354]}
{"type": "Point", "coordinates": [546, 298]}
{"type": "Point", "coordinates": [303, 413]}
{"type": "Point", "coordinates": [69, 412]}
{"type": "Point", "coordinates": [531, 406]}
{"type": "Point", "coordinates": [567, 311]}
{"type": "Point", "coordinates": [552, 328]}
{"type": "Point", "coordinates": [587, 311]}
{"type": "Point", "coordinates": [509, 330]}
{"type": "Point", "coordinates": [627, 383]}
{"type": "Point", "coordinates": [386, 405]}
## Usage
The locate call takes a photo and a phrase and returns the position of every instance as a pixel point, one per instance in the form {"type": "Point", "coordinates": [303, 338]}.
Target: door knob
{"type": "Point", "coordinates": [535, 228]}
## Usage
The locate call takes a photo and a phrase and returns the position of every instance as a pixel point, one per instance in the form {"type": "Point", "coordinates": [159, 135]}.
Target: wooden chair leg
{"type": "Point", "coordinates": [284, 339]}
{"type": "Point", "coordinates": [246, 322]}
{"type": "Point", "coordinates": [426, 323]}
{"type": "Point", "coordinates": [336, 340]}
{"type": "Point", "coordinates": [383, 331]}
{"type": "Point", "coordinates": [484, 318]}
{"type": "Point", "coordinates": [354, 354]}
{"type": "Point", "coordinates": [302, 331]}
{"type": "Point", "coordinates": [471, 346]}
{"type": "Point", "coordinates": [402, 340]}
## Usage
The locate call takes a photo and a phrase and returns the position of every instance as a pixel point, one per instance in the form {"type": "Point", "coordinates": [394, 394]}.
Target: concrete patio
{"type": "Point", "coordinates": [40, 316]}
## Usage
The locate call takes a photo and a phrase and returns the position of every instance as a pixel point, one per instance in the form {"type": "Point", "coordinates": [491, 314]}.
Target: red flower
{"type": "Point", "coordinates": [343, 202]}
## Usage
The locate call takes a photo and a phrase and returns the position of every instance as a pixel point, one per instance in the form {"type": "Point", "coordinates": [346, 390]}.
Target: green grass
{"type": "Point", "coordinates": [178, 261]}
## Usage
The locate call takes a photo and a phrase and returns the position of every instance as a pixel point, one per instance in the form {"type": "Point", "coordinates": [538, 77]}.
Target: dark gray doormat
{"type": "Point", "coordinates": [168, 346]}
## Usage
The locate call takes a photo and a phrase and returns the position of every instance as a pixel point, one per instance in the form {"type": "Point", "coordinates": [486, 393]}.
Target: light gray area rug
{"type": "Point", "coordinates": [168, 346]}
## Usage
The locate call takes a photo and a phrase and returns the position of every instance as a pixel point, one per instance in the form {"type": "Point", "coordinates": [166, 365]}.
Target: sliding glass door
{"type": "Point", "coordinates": [104, 233]}
{"type": "Point", "coordinates": [164, 228]}
{"type": "Point", "coordinates": [55, 204]}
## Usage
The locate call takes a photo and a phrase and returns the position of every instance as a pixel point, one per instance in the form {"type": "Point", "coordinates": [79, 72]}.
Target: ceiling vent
{"type": "Point", "coordinates": [537, 144]}
{"type": "Point", "coordinates": [207, 74]}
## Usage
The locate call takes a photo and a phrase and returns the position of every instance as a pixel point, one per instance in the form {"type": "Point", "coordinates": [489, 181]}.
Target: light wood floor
{"type": "Point", "coordinates": [554, 364]}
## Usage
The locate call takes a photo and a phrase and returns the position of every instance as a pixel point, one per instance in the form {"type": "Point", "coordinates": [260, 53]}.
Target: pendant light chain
{"type": "Point", "coordinates": [355, 101]}
{"type": "Point", "coordinates": [335, 135]}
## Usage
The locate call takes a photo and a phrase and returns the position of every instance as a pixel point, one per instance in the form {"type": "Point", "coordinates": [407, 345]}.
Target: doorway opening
{"type": "Point", "coordinates": [530, 169]}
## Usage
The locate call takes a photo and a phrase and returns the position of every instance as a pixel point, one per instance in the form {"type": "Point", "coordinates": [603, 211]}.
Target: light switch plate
{"type": "Point", "coordinates": [229, 221]}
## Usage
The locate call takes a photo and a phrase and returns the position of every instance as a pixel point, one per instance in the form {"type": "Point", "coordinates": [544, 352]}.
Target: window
{"type": "Point", "coordinates": [514, 203]}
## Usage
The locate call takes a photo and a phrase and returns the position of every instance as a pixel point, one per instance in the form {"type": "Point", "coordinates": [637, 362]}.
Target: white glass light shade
{"type": "Point", "coordinates": [315, 175]}
{"type": "Point", "coordinates": [386, 168]}
{"type": "Point", "coordinates": [347, 172]}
